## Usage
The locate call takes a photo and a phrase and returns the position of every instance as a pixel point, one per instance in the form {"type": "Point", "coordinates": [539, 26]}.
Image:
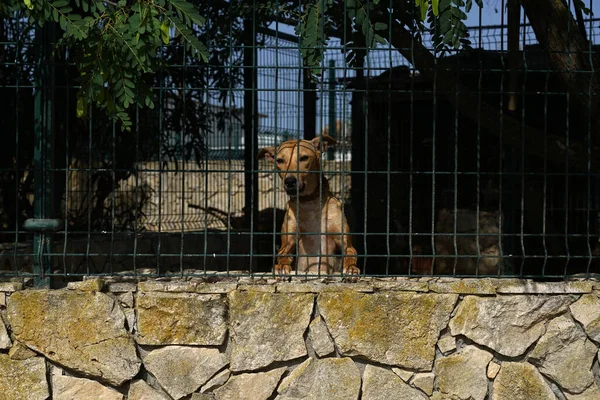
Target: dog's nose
{"type": "Point", "coordinates": [290, 182]}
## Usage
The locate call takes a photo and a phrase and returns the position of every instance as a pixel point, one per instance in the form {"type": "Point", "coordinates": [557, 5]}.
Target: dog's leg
{"type": "Point", "coordinates": [288, 246]}
{"type": "Point", "coordinates": [284, 257]}
{"type": "Point", "coordinates": [344, 242]}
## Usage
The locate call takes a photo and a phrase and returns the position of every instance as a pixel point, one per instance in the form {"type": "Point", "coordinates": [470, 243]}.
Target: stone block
{"type": "Point", "coordinates": [394, 328]}
{"type": "Point", "coordinates": [181, 370]}
{"type": "Point", "coordinates": [23, 379]}
{"type": "Point", "coordinates": [266, 327]}
{"type": "Point", "coordinates": [506, 324]}
{"type": "Point", "coordinates": [181, 318]}
{"type": "Point", "coordinates": [82, 331]}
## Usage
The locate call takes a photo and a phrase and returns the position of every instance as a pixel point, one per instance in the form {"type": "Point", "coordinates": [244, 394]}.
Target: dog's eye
{"type": "Point", "coordinates": [279, 161]}
{"type": "Point", "coordinates": [304, 158]}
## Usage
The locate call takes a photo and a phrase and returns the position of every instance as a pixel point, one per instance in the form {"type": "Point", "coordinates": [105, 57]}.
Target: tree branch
{"type": "Point", "coordinates": [513, 131]}
{"type": "Point", "coordinates": [570, 54]}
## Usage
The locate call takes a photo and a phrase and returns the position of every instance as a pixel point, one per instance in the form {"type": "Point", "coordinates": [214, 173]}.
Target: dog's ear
{"type": "Point", "coordinates": [266, 152]}
{"type": "Point", "coordinates": [323, 140]}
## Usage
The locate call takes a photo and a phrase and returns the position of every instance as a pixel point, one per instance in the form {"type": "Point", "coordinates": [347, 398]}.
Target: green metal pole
{"type": "Point", "coordinates": [332, 131]}
{"type": "Point", "coordinates": [309, 100]}
{"type": "Point", "coordinates": [250, 133]}
{"type": "Point", "coordinates": [42, 207]}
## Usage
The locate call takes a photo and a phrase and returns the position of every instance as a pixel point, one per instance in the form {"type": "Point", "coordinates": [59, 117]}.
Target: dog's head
{"type": "Point", "coordinates": [298, 163]}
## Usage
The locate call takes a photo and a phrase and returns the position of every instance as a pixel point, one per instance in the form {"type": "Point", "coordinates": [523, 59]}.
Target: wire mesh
{"type": "Point", "coordinates": [436, 173]}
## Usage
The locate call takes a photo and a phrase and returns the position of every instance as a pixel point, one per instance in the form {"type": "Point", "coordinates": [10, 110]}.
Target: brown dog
{"type": "Point", "coordinates": [314, 216]}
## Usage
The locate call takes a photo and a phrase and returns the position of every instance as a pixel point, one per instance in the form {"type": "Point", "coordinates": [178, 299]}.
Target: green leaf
{"type": "Point", "coordinates": [164, 31]}
{"type": "Point", "coordinates": [192, 43]}
{"type": "Point", "coordinates": [188, 12]}
{"type": "Point", "coordinates": [459, 13]}
{"type": "Point", "coordinates": [468, 6]}
{"type": "Point", "coordinates": [28, 4]}
{"type": "Point", "coordinates": [423, 5]}
{"type": "Point", "coordinates": [435, 6]}
{"type": "Point", "coordinates": [80, 107]}
{"type": "Point", "coordinates": [380, 26]}
{"type": "Point", "coordinates": [379, 39]}
{"type": "Point", "coordinates": [448, 37]}
{"type": "Point", "coordinates": [311, 34]}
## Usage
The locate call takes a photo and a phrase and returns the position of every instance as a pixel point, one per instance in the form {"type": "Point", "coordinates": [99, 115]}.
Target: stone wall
{"type": "Point", "coordinates": [262, 339]}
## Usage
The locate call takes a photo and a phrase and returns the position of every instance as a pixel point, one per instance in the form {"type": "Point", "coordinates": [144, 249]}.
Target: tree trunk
{"type": "Point", "coordinates": [569, 54]}
{"type": "Point", "coordinates": [513, 131]}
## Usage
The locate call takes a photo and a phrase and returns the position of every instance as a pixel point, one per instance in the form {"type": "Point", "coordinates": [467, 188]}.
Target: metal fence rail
{"type": "Point", "coordinates": [428, 187]}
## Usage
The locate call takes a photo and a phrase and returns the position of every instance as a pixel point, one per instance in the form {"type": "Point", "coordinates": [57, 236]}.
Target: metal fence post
{"type": "Point", "coordinates": [357, 186]}
{"type": "Point", "coordinates": [332, 130]}
{"type": "Point", "coordinates": [250, 133]}
{"type": "Point", "coordinates": [41, 224]}
{"type": "Point", "coordinates": [309, 101]}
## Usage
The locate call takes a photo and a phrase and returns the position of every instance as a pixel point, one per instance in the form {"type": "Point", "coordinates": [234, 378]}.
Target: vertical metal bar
{"type": "Point", "coordinates": [523, 162]}
{"type": "Point", "coordinates": [569, 52]}
{"type": "Point", "coordinates": [590, 195]}
{"type": "Point", "coordinates": [455, 173]}
{"type": "Point", "coordinates": [250, 132]}
{"type": "Point", "coordinates": [67, 182]}
{"type": "Point", "coordinates": [88, 174]}
{"type": "Point", "coordinates": [17, 152]}
{"type": "Point", "coordinates": [309, 99]}
{"type": "Point", "coordinates": [43, 160]}
{"type": "Point", "coordinates": [308, 112]}
{"type": "Point", "coordinates": [366, 109]}
{"type": "Point", "coordinates": [434, 113]}
{"type": "Point", "coordinates": [514, 12]}
{"type": "Point", "coordinates": [332, 130]}
{"type": "Point", "coordinates": [344, 135]}
{"type": "Point", "coordinates": [184, 161]}
{"type": "Point", "coordinates": [297, 149]}
{"type": "Point", "coordinates": [357, 187]}
{"type": "Point", "coordinates": [136, 172]}
{"type": "Point", "coordinates": [504, 196]}
{"type": "Point", "coordinates": [161, 102]}
{"type": "Point", "coordinates": [113, 188]}
{"type": "Point", "coordinates": [388, 214]}
{"type": "Point", "coordinates": [478, 158]}
{"type": "Point", "coordinates": [228, 127]}
{"type": "Point", "coordinates": [206, 158]}
{"type": "Point", "coordinates": [545, 173]}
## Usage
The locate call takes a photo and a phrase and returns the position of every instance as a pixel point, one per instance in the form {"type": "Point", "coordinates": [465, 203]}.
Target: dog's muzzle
{"type": "Point", "coordinates": [291, 186]}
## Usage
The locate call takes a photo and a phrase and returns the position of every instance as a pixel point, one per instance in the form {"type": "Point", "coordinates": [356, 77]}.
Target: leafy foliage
{"type": "Point", "coordinates": [116, 45]}
{"type": "Point", "coordinates": [185, 94]}
{"type": "Point", "coordinates": [449, 29]}
{"type": "Point", "coordinates": [312, 33]}
{"type": "Point", "coordinates": [119, 44]}
{"type": "Point", "coordinates": [366, 24]}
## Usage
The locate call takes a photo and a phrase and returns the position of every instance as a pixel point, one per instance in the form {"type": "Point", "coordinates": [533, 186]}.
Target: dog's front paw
{"type": "Point", "coordinates": [351, 273]}
{"type": "Point", "coordinates": [282, 269]}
